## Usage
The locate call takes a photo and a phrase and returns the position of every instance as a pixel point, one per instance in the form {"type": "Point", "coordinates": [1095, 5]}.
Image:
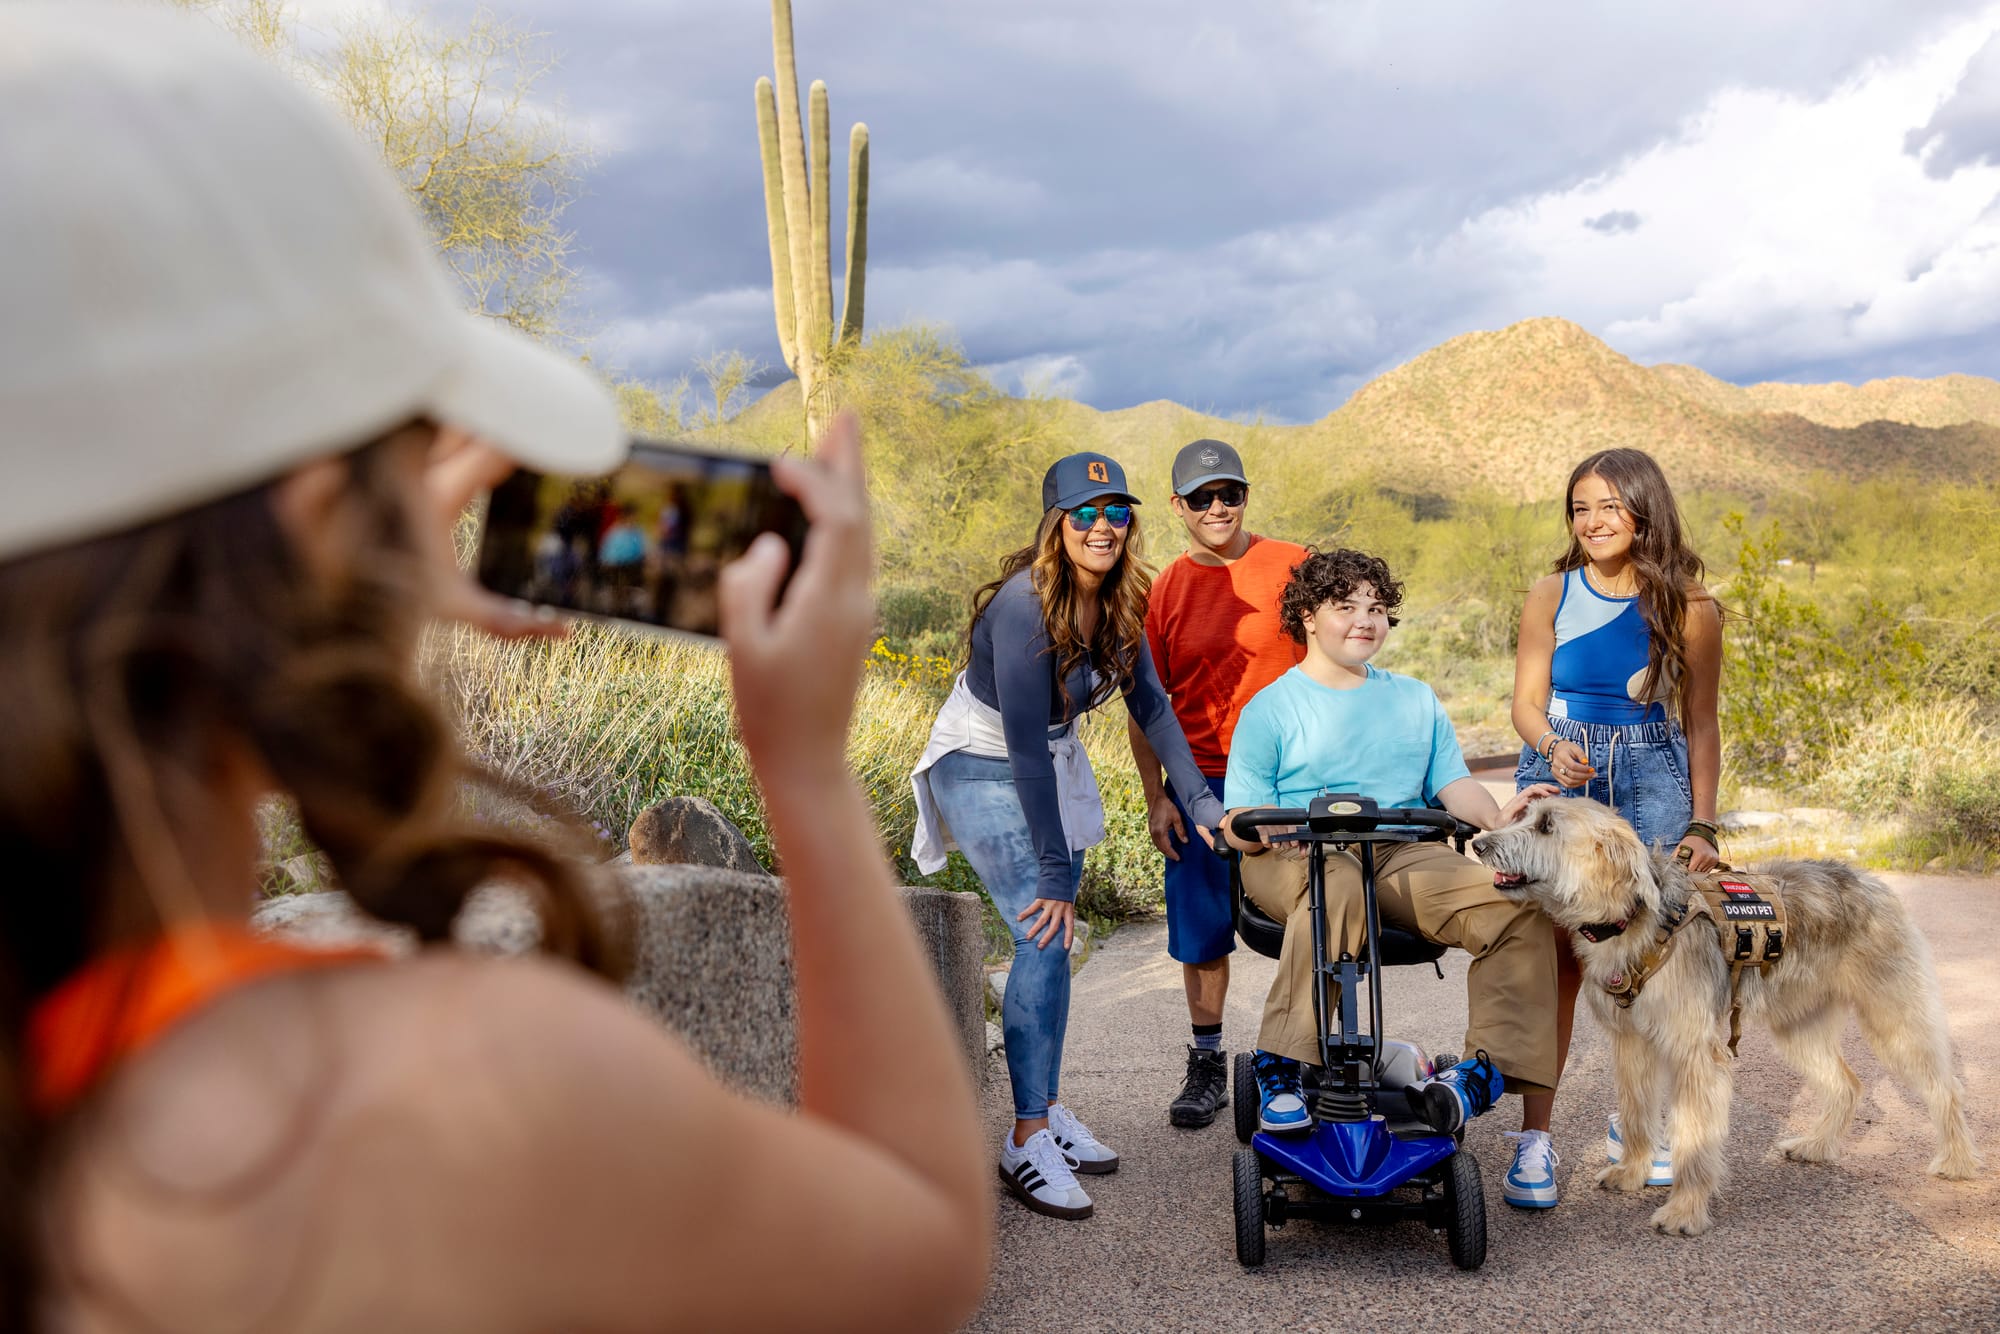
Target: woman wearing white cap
{"type": "Point", "coordinates": [234, 396]}
{"type": "Point", "coordinates": [1006, 781]}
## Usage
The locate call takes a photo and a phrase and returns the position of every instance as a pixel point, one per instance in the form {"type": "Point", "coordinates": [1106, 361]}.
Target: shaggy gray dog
{"type": "Point", "coordinates": [1850, 946]}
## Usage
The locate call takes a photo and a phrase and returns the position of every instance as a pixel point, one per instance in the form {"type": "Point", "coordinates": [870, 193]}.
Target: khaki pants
{"type": "Point", "coordinates": [1445, 897]}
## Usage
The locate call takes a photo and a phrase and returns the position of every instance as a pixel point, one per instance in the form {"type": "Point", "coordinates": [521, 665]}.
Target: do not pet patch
{"type": "Point", "coordinates": [1741, 903]}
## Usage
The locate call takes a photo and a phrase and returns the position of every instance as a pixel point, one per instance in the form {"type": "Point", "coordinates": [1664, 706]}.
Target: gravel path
{"type": "Point", "coordinates": [1872, 1243]}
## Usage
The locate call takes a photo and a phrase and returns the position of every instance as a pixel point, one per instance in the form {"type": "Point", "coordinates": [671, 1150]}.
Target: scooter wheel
{"type": "Point", "coordinates": [1249, 1208]}
{"type": "Point", "coordinates": [1243, 1096]}
{"type": "Point", "coordinates": [1465, 1211]}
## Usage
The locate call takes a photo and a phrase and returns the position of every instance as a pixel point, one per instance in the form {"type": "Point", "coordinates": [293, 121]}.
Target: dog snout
{"type": "Point", "coordinates": [1482, 844]}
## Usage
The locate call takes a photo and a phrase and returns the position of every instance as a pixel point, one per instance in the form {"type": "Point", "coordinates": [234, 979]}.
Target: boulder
{"type": "Point", "coordinates": [954, 937]}
{"type": "Point", "coordinates": [690, 830]}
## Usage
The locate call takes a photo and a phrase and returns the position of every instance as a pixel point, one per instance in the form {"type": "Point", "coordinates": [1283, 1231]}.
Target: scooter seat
{"type": "Point", "coordinates": [1267, 937]}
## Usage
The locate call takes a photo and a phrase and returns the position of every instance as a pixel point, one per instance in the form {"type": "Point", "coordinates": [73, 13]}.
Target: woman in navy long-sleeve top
{"type": "Point", "coordinates": [1058, 633]}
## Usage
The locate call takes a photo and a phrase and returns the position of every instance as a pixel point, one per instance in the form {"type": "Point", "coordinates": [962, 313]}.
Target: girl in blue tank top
{"type": "Point", "coordinates": [1615, 678]}
{"type": "Point", "coordinates": [1620, 654]}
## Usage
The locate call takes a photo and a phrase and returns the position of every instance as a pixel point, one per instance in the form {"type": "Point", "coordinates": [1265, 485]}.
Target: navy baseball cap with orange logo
{"type": "Point", "coordinates": [1077, 479]}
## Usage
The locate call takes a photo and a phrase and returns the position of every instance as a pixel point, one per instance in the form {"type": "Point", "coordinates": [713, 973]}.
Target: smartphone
{"type": "Point", "coordinates": [642, 545]}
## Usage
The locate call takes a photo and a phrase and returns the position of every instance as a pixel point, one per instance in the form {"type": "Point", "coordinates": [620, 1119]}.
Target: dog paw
{"type": "Point", "coordinates": [1681, 1219]}
{"type": "Point", "coordinates": [1955, 1166]}
{"type": "Point", "coordinates": [1807, 1149]}
{"type": "Point", "coordinates": [1626, 1176]}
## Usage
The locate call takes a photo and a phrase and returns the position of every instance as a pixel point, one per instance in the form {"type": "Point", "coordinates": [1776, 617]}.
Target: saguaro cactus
{"type": "Point", "coordinates": [796, 208]}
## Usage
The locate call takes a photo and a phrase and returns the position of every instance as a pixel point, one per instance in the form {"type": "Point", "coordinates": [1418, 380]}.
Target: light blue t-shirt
{"type": "Point", "coordinates": [1387, 738]}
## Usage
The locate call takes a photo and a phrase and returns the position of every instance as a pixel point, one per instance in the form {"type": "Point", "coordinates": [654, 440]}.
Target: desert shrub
{"type": "Point", "coordinates": [1316, 509]}
{"type": "Point", "coordinates": [1883, 765]}
{"type": "Point", "coordinates": [1796, 679]}
{"type": "Point", "coordinates": [1958, 807]}
{"type": "Point", "coordinates": [1480, 564]}
{"type": "Point", "coordinates": [954, 465]}
{"type": "Point", "coordinates": [1962, 656]}
{"type": "Point", "coordinates": [924, 619]}
{"type": "Point", "coordinates": [1121, 875]}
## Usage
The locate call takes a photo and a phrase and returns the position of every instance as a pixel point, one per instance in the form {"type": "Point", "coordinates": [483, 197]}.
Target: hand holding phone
{"type": "Point", "coordinates": [796, 660]}
{"type": "Point", "coordinates": [643, 545]}
{"type": "Point", "coordinates": [460, 469]}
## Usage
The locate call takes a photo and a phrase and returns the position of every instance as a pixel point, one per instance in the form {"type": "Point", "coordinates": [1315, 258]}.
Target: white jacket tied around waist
{"type": "Point", "coordinates": [966, 724]}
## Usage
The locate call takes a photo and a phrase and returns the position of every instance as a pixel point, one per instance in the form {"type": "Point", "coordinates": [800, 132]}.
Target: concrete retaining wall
{"type": "Point", "coordinates": [714, 959]}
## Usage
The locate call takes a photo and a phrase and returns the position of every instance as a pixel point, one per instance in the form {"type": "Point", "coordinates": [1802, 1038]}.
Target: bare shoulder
{"type": "Point", "coordinates": [409, 1119]}
{"type": "Point", "coordinates": [1704, 610]}
{"type": "Point", "coordinates": [1544, 597]}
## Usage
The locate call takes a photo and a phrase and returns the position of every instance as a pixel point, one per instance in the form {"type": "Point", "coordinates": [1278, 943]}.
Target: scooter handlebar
{"type": "Point", "coordinates": [1245, 823]}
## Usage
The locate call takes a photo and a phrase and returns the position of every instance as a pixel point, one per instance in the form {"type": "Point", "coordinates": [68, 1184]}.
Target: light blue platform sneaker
{"type": "Point", "coordinates": [1662, 1173]}
{"type": "Point", "coordinates": [1531, 1181]}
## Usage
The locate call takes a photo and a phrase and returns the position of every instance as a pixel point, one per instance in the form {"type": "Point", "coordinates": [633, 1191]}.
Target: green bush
{"type": "Point", "coordinates": [1883, 764]}
{"type": "Point", "coordinates": [1797, 680]}
{"type": "Point", "coordinates": [1960, 808]}
{"type": "Point", "coordinates": [925, 620]}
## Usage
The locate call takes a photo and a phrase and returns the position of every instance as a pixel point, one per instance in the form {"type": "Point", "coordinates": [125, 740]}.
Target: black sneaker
{"type": "Point", "coordinates": [1205, 1091]}
{"type": "Point", "coordinates": [1452, 1097]}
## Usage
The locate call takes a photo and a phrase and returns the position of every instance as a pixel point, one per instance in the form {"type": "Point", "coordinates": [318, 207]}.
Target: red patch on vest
{"type": "Point", "coordinates": [1734, 887]}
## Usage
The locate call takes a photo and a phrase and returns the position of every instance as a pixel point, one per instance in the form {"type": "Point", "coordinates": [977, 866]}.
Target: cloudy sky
{"type": "Point", "coordinates": [1257, 207]}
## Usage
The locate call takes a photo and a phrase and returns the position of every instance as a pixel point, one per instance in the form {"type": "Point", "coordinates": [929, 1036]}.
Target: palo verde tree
{"type": "Point", "coordinates": [796, 210]}
{"type": "Point", "coordinates": [452, 111]}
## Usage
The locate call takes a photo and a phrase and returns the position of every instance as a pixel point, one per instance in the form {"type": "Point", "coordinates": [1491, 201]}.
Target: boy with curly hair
{"type": "Point", "coordinates": [1337, 723]}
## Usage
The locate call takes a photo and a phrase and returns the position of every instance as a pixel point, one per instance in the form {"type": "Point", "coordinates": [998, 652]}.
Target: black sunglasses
{"type": "Point", "coordinates": [1231, 494]}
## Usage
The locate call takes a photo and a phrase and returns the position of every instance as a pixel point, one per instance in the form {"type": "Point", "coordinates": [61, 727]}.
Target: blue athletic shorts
{"type": "Point", "coordinates": [1200, 927]}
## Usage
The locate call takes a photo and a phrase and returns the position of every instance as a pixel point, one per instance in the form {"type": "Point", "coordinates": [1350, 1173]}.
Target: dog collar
{"type": "Point", "coordinates": [1597, 932]}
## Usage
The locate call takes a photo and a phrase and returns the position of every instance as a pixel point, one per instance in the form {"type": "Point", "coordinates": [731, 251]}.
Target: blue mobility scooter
{"type": "Point", "coordinates": [1369, 1156]}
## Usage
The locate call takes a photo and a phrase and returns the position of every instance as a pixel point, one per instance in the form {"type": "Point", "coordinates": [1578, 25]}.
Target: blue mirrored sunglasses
{"type": "Point", "coordinates": [1084, 517]}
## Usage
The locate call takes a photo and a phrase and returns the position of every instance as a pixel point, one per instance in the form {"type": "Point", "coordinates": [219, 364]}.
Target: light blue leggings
{"type": "Point", "coordinates": [975, 794]}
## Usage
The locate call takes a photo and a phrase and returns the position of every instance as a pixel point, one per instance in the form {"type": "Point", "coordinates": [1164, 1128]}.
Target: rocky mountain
{"type": "Point", "coordinates": [1511, 410]}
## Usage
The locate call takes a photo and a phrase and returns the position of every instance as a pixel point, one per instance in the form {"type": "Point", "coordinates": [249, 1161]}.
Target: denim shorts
{"type": "Point", "coordinates": [1642, 773]}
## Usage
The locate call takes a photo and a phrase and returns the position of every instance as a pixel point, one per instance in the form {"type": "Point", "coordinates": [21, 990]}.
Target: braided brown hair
{"type": "Point", "coordinates": [132, 664]}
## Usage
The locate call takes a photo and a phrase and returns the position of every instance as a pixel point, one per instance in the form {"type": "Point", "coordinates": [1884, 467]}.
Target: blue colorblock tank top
{"type": "Point", "coordinates": [1600, 658]}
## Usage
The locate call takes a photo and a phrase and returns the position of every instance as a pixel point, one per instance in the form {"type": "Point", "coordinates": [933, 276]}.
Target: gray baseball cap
{"type": "Point", "coordinates": [1206, 461]}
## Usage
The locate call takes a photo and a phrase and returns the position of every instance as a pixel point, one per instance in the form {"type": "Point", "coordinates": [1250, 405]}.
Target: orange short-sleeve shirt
{"type": "Point", "coordinates": [1216, 640]}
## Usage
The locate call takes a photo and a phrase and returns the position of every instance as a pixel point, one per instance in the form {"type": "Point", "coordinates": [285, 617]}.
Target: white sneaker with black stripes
{"type": "Point", "coordinates": [1086, 1153]}
{"type": "Point", "coordinates": [1040, 1177]}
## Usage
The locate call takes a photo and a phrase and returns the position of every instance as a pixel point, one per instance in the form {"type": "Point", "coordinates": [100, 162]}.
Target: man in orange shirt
{"type": "Point", "coordinates": [1212, 625]}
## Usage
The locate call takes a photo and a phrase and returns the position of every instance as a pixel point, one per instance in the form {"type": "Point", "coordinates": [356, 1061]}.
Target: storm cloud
{"type": "Point", "coordinates": [1255, 210]}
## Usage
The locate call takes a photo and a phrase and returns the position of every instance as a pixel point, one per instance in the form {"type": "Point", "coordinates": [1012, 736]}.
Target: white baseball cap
{"type": "Point", "coordinates": [206, 278]}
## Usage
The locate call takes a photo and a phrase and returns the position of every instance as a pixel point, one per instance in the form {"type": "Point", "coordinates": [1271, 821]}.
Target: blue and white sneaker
{"type": "Point", "coordinates": [1281, 1103]}
{"type": "Point", "coordinates": [1448, 1100]}
{"type": "Point", "coordinates": [1662, 1172]}
{"type": "Point", "coordinates": [1531, 1181]}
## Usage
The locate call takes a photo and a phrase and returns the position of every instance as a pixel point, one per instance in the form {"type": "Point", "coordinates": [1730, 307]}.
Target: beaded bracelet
{"type": "Point", "coordinates": [1544, 737]}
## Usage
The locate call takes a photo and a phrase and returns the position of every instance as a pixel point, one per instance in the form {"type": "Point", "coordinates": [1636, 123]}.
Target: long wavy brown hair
{"type": "Point", "coordinates": [1668, 571]}
{"type": "Point", "coordinates": [1113, 649]}
{"type": "Point", "coordinates": [135, 667]}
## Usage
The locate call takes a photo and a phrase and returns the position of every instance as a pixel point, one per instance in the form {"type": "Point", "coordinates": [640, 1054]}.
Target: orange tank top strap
{"type": "Point", "coordinates": [120, 1003]}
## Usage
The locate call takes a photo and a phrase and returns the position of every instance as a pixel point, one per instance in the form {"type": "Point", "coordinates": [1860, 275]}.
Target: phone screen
{"type": "Point", "coordinates": [644, 544]}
